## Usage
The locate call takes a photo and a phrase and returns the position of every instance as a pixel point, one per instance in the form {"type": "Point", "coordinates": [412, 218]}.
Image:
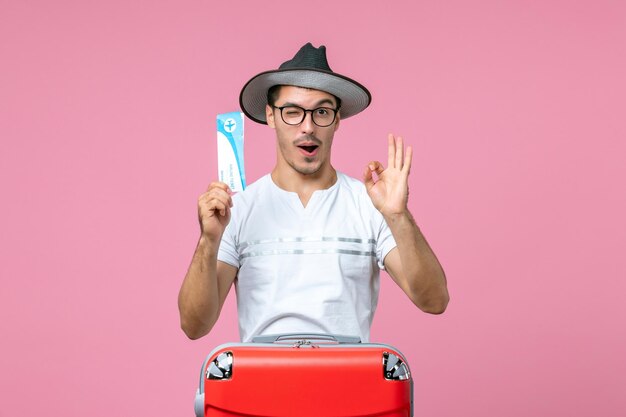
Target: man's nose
{"type": "Point", "coordinates": [307, 124]}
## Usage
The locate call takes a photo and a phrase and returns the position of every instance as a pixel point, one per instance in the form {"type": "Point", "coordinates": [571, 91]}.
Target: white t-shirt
{"type": "Point", "coordinates": [312, 269]}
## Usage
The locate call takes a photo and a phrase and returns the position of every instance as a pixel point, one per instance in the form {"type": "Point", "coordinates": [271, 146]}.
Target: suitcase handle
{"type": "Point", "coordinates": [333, 338]}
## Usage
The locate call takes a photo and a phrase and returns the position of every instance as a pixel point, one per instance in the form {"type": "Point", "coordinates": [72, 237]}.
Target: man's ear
{"type": "Point", "coordinates": [269, 116]}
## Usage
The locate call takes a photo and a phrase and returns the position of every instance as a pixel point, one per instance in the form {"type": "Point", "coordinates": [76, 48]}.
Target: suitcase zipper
{"type": "Point", "coordinates": [304, 342]}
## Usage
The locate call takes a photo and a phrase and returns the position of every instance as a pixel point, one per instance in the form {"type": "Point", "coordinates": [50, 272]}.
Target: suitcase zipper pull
{"type": "Point", "coordinates": [304, 342]}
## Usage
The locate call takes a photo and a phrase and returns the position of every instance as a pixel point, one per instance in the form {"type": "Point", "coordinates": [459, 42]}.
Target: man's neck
{"type": "Point", "coordinates": [304, 185]}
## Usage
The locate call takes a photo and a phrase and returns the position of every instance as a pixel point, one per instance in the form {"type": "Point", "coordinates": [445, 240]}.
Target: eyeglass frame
{"type": "Point", "coordinates": [335, 111]}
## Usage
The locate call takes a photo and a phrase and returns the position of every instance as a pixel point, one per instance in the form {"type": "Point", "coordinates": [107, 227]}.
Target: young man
{"type": "Point", "coordinates": [304, 245]}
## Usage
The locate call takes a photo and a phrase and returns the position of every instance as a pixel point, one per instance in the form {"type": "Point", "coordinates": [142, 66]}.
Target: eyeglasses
{"type": "Point", "coordinates": [294, 115]}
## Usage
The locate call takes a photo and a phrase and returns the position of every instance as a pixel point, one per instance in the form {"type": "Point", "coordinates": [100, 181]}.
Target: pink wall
{"type": "Point", "coordinates": [515, 109]}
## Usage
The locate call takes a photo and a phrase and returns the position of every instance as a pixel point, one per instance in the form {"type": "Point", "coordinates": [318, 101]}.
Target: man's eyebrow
{"type": "Point", "coordinates": [318, 104]}
{"type": "Point", "coordinates": [289, 103]}
{"type": "Point", "coordinates": [324, 101]}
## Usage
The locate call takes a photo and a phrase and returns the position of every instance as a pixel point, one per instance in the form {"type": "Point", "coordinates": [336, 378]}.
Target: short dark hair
{"type": "Point", "coordinates": [274, 91]}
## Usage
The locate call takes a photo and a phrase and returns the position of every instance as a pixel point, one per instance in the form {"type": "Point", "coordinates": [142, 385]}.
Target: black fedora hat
{"type": "Point", "coordinates": [308, 68]}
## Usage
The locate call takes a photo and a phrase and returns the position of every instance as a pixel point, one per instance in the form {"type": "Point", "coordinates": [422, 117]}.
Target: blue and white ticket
{"type": "Point", "coordinates": [230, 150]}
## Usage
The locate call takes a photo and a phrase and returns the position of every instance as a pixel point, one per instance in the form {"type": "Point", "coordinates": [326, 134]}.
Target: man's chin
{"type": "Point", "coordinates": [307, 169]}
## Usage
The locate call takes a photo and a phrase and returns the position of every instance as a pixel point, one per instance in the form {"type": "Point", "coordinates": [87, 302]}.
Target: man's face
{"type": "Point", "coordinates": [304, 147]}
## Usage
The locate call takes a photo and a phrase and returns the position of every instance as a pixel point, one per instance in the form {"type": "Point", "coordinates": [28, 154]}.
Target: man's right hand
{"type": "Point", "coordinates": [208, 280]}
{"type": "Point", "coordinates": [214, 210]}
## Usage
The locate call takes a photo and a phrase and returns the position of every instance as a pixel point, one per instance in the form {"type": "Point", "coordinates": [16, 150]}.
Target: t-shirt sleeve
{"type": "Point", "coordinates": [384, 243]}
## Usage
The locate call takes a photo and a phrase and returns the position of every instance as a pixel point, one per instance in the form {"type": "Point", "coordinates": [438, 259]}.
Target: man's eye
{"type": "Point", "coordinates": [322, 111]}
{"type": "Point", "coordinates": [293, 112]}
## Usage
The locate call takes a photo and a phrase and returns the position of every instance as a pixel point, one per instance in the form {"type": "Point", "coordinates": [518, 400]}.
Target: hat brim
{"type": "Point", "coordinates": [253, 98]}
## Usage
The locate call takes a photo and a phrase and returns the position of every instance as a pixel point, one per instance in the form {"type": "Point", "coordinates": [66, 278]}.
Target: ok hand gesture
{"type": "Point", "coordinates": [388, 188]}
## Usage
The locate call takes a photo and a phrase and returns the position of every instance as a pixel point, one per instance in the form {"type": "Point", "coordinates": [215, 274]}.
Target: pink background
{"type": "Point", "coordinates": [516, 112]}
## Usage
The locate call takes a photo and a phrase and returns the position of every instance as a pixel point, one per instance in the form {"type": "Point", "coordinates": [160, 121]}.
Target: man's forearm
{"type": "Point", "coordinates": [419, 274]}
{"type": "Point", "coordinates": [198, 299]}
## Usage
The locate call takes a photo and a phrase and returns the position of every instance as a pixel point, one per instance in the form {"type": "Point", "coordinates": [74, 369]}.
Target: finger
{"type": "Point", "coordinates": [220, 194]}
{"type": "Point", "coordinates": [225, 212]}
{"type": "Point", "coordinates": [408, 157]}
{"type": "Point", "coordinates": [219, 185]}
{"type": "Point", "coordinates": [391, 150]}
{"type": "Point", "coordinates": [368, 175]}
{"type": "Point", "coordinates": [399, 152]}
{"type": "Point", "coordinates": [376, 167]}
{"type": "Point", "coordinates": [217, 207]}
{"type": "Point", "coordinates": [207, 205]}
{"type": "Point", "coordinates": [210, 203]}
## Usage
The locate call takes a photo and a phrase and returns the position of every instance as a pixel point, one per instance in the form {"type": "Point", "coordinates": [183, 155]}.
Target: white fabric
{"type": "Point", "coordinates": [313, 269]}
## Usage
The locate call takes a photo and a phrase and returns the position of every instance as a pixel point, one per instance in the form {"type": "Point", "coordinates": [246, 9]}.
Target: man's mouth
{"type": "Point", "coordinates": [308, 149]}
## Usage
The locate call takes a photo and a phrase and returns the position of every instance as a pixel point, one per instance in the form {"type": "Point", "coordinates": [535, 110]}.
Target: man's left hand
{"type": "Point", "coordinates": [388, 188]}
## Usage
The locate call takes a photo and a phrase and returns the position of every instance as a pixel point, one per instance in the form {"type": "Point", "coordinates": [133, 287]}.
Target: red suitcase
{"type": "Point", "coordinates": [305, 376]}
